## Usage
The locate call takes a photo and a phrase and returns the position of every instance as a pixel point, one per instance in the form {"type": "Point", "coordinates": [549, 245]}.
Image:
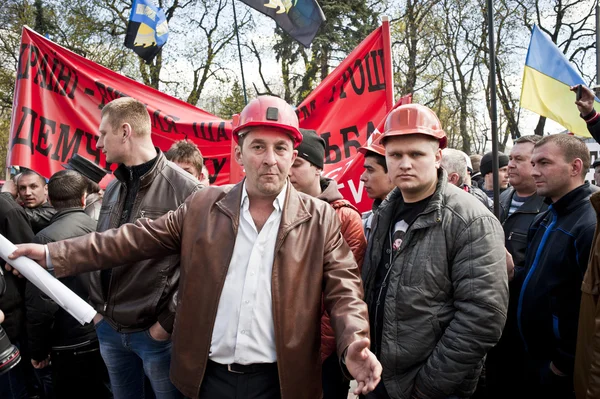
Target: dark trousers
{"type": "Point", "coordinates": [223, 384]}
{"type": "Point", "coordinates": [335, 385]}
{"type": "Point", "coordinates": [80, 372]}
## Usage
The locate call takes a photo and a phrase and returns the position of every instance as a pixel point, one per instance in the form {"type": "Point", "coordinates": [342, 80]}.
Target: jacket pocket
{"type": "Point", "coordinates": [152, 213]}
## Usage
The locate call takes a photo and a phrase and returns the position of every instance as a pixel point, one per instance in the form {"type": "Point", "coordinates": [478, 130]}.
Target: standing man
{"type": "Point", "coordinates": [305, 176]}
{"type": "Point", "coordinates": [435, 272]}
{"type": "Point", "coordinates": [188, 157]}
{"type": "Point", "coordinates": [256, 260]}
{"type": "Point", "coordinates": [557, 255]}
{"type": "Point", "coordinates": [136, 304]}
{"type": "Point", "coordinates": [14, 225]}
{"type": "Point", "coordinates": [377, 183]}
{"type": "Point", "coordinates": [519, 206]}
{"type": "Point", "coordinates": [78, 370]}
{"type": "Point", "coordinates": [456, 165]}
{"type": "Point", "coordinates": [488, 177]}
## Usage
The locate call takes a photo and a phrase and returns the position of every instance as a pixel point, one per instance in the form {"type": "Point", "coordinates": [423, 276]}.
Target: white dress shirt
{"type": "Point", "coordinates": [244, 331]}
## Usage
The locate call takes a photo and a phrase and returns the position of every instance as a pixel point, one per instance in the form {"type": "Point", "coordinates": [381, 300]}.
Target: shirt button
{"type": "Point", "coordinates": [246, 302]}
{"type": "Point", "coordinates": [388, 251]}
{"type": "Point", "coordinates": [243, 331]}
{"type": "Point", "coordinates": [387, 266]}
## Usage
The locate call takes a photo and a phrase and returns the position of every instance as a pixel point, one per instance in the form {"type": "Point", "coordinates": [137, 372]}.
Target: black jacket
{"type": "Point", "coordinates": [559, 246]}
{"type": "Point", "coordinates": [40, 217]}
{"type": "Point", "coordinates": [48, 325]}
{"type": "Point", "coordinates": [516, 226]}
{"type": "Point", "coordinates": [15, 226]}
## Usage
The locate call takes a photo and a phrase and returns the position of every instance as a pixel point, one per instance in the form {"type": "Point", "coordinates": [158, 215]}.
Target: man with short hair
{"type": "Point", "coordinates": [454, 162]}
{"type": "Point", "coordinates": [257, 259]}
{"type": "Point", "coordinates": [375, 178]}
{"type": "Point", "coordinates": [305, 175]}
{"type": "Point", "coordinates": [558, 250]}
{"type": "Point", "coordinates": [93, 174]}
{"type": "Point", "coordinates": [519, 206]}
{"type": "Point", "coordinates": [434, 273]}
{"type": "Point", "coordinates": [188, 157]}
{"type": "Point", "coordinates": [488, 177]}
{"type": "Point", "coordinates": [77, 367]}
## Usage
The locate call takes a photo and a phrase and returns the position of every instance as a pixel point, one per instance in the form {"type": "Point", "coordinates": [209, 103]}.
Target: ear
{"type": "Point", "coordinates": [238, 155]}
{"type": "Point", "coordinates": [453, 178]}
{"type": "Point", "coordinates": [576, 167]}
{"type": "Point", "coordinates": [83, 200]}
{"type": "Point", "coordinates": [438, 158]}
{"type": "Point", "coordinates": [126, 131]}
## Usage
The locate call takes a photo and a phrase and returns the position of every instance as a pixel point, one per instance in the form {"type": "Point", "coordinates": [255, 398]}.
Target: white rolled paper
{"type": "Point", "coordinates": [57, 291]}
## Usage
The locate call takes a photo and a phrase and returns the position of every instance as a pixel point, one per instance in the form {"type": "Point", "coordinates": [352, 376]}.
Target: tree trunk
{"type": "Point", "coordinates": [539, 129]}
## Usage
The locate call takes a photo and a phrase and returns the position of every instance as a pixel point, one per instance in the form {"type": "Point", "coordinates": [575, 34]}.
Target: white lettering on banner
{"type": "Point", "coordinates": [356, 194]}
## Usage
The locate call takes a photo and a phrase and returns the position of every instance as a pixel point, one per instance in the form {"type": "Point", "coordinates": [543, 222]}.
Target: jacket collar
{"type": "Point", "coordinates": [533, 203]}
{"type": "Point", "coordinates": [63, 212]}
{"type": "Point", "coordinates": [572, 199]}
{"type": "Point", "coordinates": [294, 209]}
{"type": "Point", "coordinates": [124, 173]}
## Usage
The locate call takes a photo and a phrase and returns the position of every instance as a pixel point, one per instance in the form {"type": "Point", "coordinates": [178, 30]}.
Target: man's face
{"type": "Point", "coordinates": [32, 191]}
{"type": "Point", "coordinates": [189, 167]}
{"type": "Point", "coordinates": [303, 175]}
{"type": "Point", "coordinates": [519, 167]}
{"type": "Point", "coordinates": [110, 142]}
{"type": "Point", "coordinates": [412, 162]}
{"type": "Point", "coordinates": [597, 175]}
{"type": "Point", "coordinates": [551, 172]}
{"type": "Point", "coordinates": [267, 156]}
{"type": "Point", "coordinates": [503, 177]}
{"type": "Point", "coordinates": [377, 183]}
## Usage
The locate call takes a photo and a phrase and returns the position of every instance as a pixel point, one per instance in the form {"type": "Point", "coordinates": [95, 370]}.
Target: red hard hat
{"type": "Point", "coordinates": [414, 119]}
{"type": "Point", "coordinates": [373, 144]}
{"type": "Point", "coordinates": [268, 111]}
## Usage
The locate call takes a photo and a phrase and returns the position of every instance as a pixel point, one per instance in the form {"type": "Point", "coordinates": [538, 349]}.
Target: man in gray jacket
{"type": "Point", "coordinates": [435, 271]}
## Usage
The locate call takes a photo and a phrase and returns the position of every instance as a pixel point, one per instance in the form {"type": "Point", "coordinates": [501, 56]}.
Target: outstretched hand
{"type": "Point", "coordinates": [363, 365]}
{"type": "Point", "coordinates": [35, 252]}
{"type": "Point", "coordinates": [586, 103]}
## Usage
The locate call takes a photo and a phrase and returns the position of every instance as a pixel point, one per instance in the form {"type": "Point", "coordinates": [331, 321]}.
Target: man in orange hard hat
{"type": "Point", "coordinates": [435, 272]}
{"type": "Point", "coordinates": [256, 259]}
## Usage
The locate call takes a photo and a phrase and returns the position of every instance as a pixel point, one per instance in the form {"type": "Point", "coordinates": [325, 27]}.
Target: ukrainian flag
{"type": "Point", "coordinates": [546, 81]}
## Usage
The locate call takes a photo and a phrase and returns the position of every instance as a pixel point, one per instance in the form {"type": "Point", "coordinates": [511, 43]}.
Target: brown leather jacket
{"type": "Point", "coordinates": [352, 231]}
{"type": "Point", "coordinates": [587, 357]}
{"type": "Point", "coordinates": [310, 257]}
{"type": "Point", "coordinates": [145, 291]}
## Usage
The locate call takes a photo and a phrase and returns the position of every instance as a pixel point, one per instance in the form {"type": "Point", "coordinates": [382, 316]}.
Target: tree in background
{"type": "Point", "coordinates": [233, 103]}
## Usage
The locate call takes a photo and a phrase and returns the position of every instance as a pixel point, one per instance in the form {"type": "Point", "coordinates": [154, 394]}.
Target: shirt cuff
{"type": "Point", "coordinates": [591, 118]}
{"type": "Point", "coordinates": [49, 265]}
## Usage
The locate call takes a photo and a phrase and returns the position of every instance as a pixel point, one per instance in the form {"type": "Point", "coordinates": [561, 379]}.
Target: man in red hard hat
{"type": "Point", "coordinates": [255, 260]}
{"type": "Point", "coordinates": [435, 271]}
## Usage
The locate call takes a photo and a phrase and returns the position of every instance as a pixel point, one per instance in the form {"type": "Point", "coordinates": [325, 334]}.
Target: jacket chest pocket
{"type": "Point", "coordinates": [416, 259]}
{"type": "Point", "coordinates": [152, 213]}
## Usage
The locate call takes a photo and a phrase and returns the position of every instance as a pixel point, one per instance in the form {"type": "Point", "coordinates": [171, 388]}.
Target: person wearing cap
{"type": "Point", "coordinates": [485, 167]}
{"type": "Point", "coordinates": [94, 174]}
{"type": "Point", "coordinates": [596, 167]}
{"type": "Point", "coordinates": [305, 176]}
{"type": "Point", "coordinates": [435, 270]}
{"type": "Point", "coordinates": [519, 206]}
{"type": "Point", "coordinates": [77, 367]}
{"type": "Point", "coordinates": [256, 260]}
{"type": "Point", "coordinates": [375, 178]}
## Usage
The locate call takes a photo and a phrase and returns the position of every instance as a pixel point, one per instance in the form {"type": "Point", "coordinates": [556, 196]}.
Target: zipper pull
{"type": "Point", "coordinates": [105, 305]}
{"type": "Point", "coordinates": [510, 236]}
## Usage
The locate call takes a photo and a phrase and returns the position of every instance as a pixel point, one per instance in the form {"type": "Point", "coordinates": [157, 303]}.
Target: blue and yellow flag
{"type": "Point", "coordinates": [147, 30]}
{"type": "Point", "coordinates": [546, 81]}
{"type": "Point", "coordinates": [301, 19]}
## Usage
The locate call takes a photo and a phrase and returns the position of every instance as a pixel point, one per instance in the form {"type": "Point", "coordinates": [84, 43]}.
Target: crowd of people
{"type": "Point", "coordinates": [278, 287]}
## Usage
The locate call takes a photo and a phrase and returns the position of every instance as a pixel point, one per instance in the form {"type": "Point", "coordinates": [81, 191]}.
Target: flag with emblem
{"type": "Point", "coordinates": [301, 19]}
{"type": "Point", "coordinates": [147, 30]}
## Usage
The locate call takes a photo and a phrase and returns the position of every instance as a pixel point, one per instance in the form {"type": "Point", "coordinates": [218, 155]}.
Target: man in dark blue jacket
{"type": "Point", "coordinates": [559, 245]}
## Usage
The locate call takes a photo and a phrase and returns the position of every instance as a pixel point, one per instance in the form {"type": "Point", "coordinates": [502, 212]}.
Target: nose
{"type": "Point", "coordinates": [511, 164]}
{"type": "Point", "coordinates": [535, 172]}
{"type": "Point", "coordinates": [100, 143]}
{"type": "Point", "coordinates": [269, 157]}
{"type": "Point", "coordinates": [404, 163]}
{"type": "Point", "coordinates": [363, 176]}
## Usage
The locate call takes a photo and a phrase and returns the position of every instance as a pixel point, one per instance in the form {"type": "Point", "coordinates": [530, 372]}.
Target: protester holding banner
{"type": "Point", "coordinates": [377, 183]}
{"type": "Point", "coordinates": [255, 261]}
{"type": "Point", "coordinates": [435, 271]}
{"type": "Point", "coordinates": [305, 176]}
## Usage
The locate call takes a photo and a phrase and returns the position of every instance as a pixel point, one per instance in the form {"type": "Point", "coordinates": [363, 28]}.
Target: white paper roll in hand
{"type": "Point", "coordinates": [57, 291]}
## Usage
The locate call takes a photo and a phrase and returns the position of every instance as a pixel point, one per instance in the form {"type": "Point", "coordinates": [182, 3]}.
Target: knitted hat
{"type": "Point", "coordinates": [312, 148]}
{"type": "Point", "coordinates": [86, 167]}
{"type": "Point", "coordinates": [485, 166]}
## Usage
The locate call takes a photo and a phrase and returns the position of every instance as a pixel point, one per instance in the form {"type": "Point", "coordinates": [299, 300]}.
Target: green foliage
{"type": "Point", "coordinates": [233, 103]}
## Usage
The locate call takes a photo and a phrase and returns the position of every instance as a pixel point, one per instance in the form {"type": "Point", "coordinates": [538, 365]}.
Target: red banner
{"type": "Point", "coordinates": [57, 103]}
{"type": "Point", "coordinates": [346, 108]}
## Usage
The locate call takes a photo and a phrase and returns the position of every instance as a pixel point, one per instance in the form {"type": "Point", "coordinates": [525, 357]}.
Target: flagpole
{"type": "Point", "coordinates": [493, 107]}
{"type": "Point", "coordinates": [237, 34]}
{"type": "Point", "coordinates": [388, 71]}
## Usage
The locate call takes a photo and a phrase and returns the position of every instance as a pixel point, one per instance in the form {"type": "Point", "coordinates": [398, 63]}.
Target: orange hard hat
{"type": "Point", "coordinates": [413, 119]}
{"type": "Point", "coordinates": [373, 144]}
{"type": "Point", "coordinates": [268, 111]}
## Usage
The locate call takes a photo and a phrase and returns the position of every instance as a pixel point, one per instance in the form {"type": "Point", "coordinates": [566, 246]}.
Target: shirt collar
{"type": "Point", "coordinates": [277, 203]}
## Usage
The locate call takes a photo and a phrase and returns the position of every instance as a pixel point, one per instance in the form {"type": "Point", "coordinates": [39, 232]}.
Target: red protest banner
{"type": "Point", "coordinates": [56, 111]}
{"type": "Point", "coordinates": [347, 106]}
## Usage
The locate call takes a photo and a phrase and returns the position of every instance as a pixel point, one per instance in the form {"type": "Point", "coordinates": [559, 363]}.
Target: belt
{"type": "Point", "coordinates": [245, 368]}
